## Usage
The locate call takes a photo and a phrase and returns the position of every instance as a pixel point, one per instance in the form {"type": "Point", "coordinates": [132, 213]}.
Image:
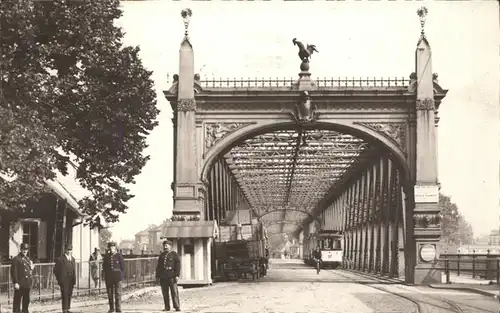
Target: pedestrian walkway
{"type": "Point", "coordinates": [467, 283]}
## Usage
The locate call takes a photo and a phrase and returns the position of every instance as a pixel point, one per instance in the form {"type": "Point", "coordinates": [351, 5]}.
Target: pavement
{"type": "Point", "coordinates": [468, 283]}
{"type": "Point", "coordinates": [485, 290]}
{"type": "Point", "coordinates": [294, 287]}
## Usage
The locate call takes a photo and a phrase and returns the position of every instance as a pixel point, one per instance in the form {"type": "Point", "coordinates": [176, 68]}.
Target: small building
{"type": "Point", "coordinates": [48, 223]}
{"type": "Point", "coordinates": [494, 238]}
{"type": "Point", "coordinates": [192, 240]}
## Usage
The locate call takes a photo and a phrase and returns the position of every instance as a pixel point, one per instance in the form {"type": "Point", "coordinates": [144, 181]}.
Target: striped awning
{"type": "Point", "coordinates": [189, 229]}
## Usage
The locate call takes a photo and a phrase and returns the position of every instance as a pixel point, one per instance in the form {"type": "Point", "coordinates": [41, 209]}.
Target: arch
{"type": "Point", "coordinates": [369, 135]}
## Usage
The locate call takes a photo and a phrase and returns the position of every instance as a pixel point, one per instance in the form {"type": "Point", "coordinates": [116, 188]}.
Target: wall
{"type": "Point", "coordinates": [15, 239]}
{"type": "Point", "coordinates": [84, 241]}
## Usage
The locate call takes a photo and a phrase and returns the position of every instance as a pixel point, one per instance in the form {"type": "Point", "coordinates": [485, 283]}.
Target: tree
{"type": "Point", "coordinates": [70, 89]}
{"type": "Point", "coordinates": [455, 229]}
{"type": "Point", "coordinates": [104, 237]}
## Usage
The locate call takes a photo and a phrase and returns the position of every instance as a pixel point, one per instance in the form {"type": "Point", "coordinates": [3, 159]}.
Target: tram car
{"type": "Point", "coordinates": [330, 243]}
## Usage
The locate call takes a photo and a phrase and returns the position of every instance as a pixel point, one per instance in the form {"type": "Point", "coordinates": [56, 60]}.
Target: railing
{"type": "Point", "coordinates": [480, 266]}
{"type": "Point", "coordinates": [321, 82]}
{"type": "Point", "coordinates": [138, 271]}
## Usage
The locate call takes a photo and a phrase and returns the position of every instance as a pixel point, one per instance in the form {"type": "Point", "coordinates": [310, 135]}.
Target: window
{"type": "Point", "coordinates": [330, 244]}
{"type": "Point", "coordinates": [30, 236]}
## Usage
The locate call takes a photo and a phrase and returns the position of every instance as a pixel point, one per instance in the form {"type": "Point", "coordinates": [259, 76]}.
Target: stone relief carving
{"type": "Point", "coordinates": [184, 105]}
{"type": "Point", "coordinates": [395, 131]}
{"type": "Point", "coordinates": [427, 220]}
{"type": "Point", "coordinates": [305, 110]}
{"type": "Point", "coordinates": [216, 131]}
{"type": "Point", "coordinates": [425, 104]}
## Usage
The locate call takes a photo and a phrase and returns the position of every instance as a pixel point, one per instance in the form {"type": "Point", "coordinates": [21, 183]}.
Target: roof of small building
{"type": "Point", "coordinates": [189, 229]}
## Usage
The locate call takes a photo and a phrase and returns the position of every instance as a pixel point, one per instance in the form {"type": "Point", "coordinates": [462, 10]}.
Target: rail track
{"type": "Point", "coordinates": [455, 307]}
{"type": "Point", "coordinates": [418, 305]}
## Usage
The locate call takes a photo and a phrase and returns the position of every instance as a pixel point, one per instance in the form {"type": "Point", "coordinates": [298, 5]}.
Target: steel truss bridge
{"type": "Point", "coordinates": [362, 160]}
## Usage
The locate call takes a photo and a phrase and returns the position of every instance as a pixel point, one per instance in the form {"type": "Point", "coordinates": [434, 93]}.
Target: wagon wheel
{"type": "Point", "coordinates": [223, 273]}
{"type": "Point", "coordinates": [264, 269]}
{"type": "Point", "coordinates": [255, 272]}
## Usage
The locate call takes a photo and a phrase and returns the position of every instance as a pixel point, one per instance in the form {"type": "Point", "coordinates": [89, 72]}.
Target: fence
{"type": "Point", "coordinates": [138, 271]}
{"type": "Point", "coordinates": [482, 266]}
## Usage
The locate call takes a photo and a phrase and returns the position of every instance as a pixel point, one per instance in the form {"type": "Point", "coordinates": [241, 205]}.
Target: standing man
{"type": "Point", "coordinates": [168, 271]}
{"type": "Point", "coordinates": [20, 271]}
{"type": "Point", "coordinates": [65, 273]}
{"type": "Point", "coordinates": [95, 261]}
{"type": "Point", "coordinates": [113, 269]}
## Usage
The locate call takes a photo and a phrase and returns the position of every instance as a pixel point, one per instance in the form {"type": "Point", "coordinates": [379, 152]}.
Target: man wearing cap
{"type": "Point", "coordinates": [168, 271]}
{"type": "Point", "coordinates": [65, 272]}
{"type": "Point", "coordinates": [113, 269]}
{"type": "Point", "coordinates": [20, 271]}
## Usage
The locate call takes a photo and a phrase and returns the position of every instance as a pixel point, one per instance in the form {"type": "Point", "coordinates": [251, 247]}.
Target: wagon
{"type": "Point", "coordinates": [239, 258]}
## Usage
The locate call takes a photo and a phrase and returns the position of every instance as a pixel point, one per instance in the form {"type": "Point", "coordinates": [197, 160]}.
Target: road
{"type": "Point", "coordinates": [292, 287]}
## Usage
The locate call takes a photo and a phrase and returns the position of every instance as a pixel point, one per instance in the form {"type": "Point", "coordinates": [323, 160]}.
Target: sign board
{"type": "Point", "coordinates": [428, 253]}
{"type": "Point", "coordinates": [427, 194]}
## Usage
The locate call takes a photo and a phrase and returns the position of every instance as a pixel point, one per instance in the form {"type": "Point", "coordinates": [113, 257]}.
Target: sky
{"type": "Point", "coordinates": [354, 39]}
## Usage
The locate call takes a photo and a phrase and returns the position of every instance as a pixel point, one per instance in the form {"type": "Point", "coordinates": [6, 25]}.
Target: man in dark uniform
{"type": "Point", "coordinates": [20, 271]}
{"type": "Point", "coordinates": [168, 271]}
{"type": "Point", "coordinates": [65, 272]}
{"type": "Point", "coordinates": [113, 269]}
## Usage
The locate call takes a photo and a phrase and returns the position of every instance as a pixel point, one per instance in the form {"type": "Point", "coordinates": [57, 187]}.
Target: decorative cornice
{"type": "Point", "coordinates": [216, 131]}
{"type": "Point", "coordinates": [184, 105]}
{"type": "Point", "coordinates": [426, 104]}
{"type": "Point", "coordinates": [395, 131]}
{"type": "Point", "coordinates": [185, 217]}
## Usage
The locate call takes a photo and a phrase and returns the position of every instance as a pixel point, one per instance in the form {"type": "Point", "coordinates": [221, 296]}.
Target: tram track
{"type": "Point", "coordinates": [418, 305]}
{"type": "Point", "coordinates": [454, 306]}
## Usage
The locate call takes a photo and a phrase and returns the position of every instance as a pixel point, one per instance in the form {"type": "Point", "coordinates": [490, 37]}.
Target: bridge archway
{"type": "Point", "coordinates": [387, 125]}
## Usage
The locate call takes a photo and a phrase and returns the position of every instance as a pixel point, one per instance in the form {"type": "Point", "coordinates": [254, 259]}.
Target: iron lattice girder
{"type": "Point", "coordinates": [293, 168]}
{"type": "Point", "coordinates": [257, 154]}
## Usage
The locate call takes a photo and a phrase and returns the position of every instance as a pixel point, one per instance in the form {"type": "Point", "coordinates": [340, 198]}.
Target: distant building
{"type": "Point", "coordinates": [478, 249]}
{"type": "Point", "coordinates": [126, 247]}
{"type": "Point", "coordinates": [143, 241]}
{"type": "Point", "coordinates": [482, 240]}
{"type": "Point", "coordinates": [148, 240]}
{"type": "Point", "coordinates": [494, 238]}
{"type": "Point", "coordinates": [155, 239]}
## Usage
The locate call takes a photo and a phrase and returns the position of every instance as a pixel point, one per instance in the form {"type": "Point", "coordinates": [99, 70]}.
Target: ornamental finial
{"type": "Point", "coordinates": [186, 16]}
{"type": "Point", "coordinates": [422, 14]}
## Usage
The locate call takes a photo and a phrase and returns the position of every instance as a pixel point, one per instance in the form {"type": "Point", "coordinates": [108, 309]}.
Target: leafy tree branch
{"type": "Point", "coordinates": [70, 88]}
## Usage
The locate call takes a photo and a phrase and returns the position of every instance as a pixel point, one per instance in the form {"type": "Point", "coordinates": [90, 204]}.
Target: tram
{"type": "Point", "coordinates": [330, 243]}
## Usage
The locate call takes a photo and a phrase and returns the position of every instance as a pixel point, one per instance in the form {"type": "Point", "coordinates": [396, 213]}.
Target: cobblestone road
{"type": "Point", "coordinates": [295, 288]}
